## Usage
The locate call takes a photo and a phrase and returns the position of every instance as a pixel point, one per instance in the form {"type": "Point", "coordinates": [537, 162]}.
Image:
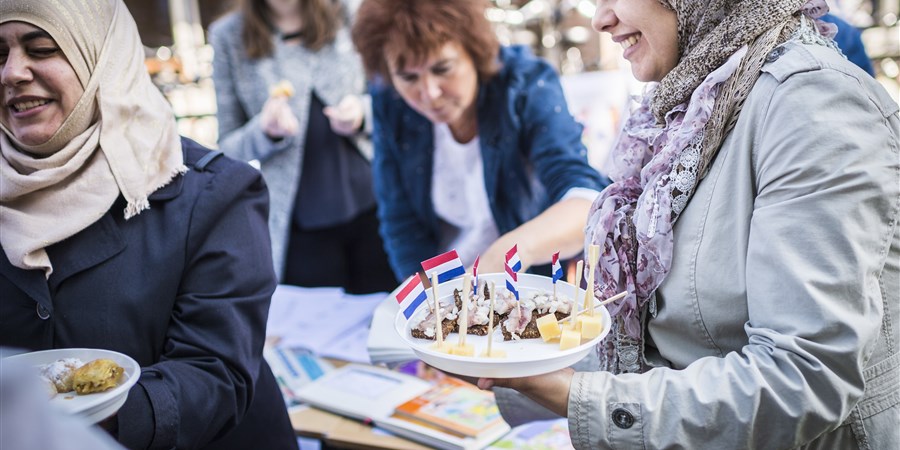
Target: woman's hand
{"type": "Point", "coordinates": [347, 117]}
{"type": "Point", "coordinates": [277, 119]}
{"type": "Point", "coordinates": [550, 390]}
{"type": "Point", "coordinates": [560, 228]}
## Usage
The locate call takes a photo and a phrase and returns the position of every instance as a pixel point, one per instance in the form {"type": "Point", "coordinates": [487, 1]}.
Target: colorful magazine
{"type": "Point", "coordinates": [453, 406]}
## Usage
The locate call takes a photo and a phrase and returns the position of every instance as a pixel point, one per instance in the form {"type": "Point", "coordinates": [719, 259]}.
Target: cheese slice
{"type": "Point", "coordinates": [569, 339]}
{"type": "Point", "coordinates": [548, 327]}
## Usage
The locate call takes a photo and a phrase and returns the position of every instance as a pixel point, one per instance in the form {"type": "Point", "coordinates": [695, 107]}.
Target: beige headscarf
{"type": "Point", "coordinates": [52, 191]}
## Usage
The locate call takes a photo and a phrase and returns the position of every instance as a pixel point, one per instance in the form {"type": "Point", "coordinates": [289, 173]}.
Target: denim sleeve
{"type": "Point", "coordinates": [407, 238]}
{"type": "Point", "coordinates": [553, 136]}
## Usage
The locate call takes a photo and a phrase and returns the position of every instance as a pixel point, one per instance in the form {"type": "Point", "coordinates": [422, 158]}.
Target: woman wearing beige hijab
{"type": "Point", "coordinates": [119, 234]}
{"type": "Point", "coordinates": [753, 221]}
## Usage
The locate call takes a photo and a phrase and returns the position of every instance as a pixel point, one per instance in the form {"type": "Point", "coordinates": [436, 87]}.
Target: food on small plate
{"type": "Point", "coordinates": [72, 374]}
{"type": "Point", "coordinates": [516, 319]}
{"type": "Point", "coordinates": [97, 376]}
{"type": "Point", "coordinates": [283, 88]}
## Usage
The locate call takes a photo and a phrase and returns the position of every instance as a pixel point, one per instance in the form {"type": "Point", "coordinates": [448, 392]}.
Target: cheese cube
{"type": "Point", "coordinates": [548, 327]}
{"type": "Point", "coordinates": [444, 347]}
{"type": "Point", "coordinates": [495, 353]}
{"type": "Point", "coordinates": [462, 349]}
{"type": "Point", "coordinates": [591, 326]}
{"type": "Point", "coordinates": [569, 339]}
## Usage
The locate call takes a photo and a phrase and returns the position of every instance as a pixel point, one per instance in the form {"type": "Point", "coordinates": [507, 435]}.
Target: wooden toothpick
{"type": "Point", "coordinates": [593, 259]}
{"type": "Point", "coordinates": [463, 319]}
{"type": "Point", "coordinates": [490, 318]}
{"type": "Point", "coordinates": [438, 330]}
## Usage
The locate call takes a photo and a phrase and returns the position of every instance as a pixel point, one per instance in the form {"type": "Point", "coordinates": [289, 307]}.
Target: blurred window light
{"type": "Point", "coordinates": [578, 34]}
{"type": "Point", "coordinates": [586, 8]}
{"type": "Point", "coordinates": [164, 53]}
{"type": "Point", "coordinates": [548, 41]}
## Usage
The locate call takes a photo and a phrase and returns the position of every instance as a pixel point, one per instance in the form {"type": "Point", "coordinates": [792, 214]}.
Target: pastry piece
{"type": "Point", "coordinates": [97, 376]}
{"type": "Point", "coordinates": [60, 372]}
{"type": "Point", "coordinates": [283, 88]}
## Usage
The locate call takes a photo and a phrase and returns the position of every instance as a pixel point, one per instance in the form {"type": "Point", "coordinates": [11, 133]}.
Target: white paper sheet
{"type": "Point", "coordinates": [325, 320]}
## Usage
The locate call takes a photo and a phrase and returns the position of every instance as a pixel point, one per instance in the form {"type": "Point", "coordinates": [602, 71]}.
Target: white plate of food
{"type": "Point", "coordinates": [59, 363]}
{"type": "Point", "coordinates": [524, 356]}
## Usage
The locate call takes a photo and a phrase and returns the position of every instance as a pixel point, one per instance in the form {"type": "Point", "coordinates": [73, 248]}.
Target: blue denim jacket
{"type": "Point", "coordinates": [530, 144]}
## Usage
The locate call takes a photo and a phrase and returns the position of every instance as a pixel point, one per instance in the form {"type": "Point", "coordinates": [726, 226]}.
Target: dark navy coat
{"type": "Point", "coordinates": [184, 289]}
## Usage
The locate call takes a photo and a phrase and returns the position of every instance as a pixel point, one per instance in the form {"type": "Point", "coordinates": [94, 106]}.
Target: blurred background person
{"type": "Point", "coordinates": [759, 149]}
{"type": "Point", "coordinates": [475, 148]}
{"type": "Point", "coordinates": [118, 234]}
{"type": "Point", "coordinates": [849, 40]}
{"type": "Point", "coordinates": [288, 88]}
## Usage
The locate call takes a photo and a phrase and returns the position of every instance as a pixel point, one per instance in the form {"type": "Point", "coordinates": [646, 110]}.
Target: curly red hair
{"type": "Point", "coordinates": [413, 30]}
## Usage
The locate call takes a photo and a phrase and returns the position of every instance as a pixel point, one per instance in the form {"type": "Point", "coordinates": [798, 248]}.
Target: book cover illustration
{"type": "Point", "coordinates": [455, 406]}
{"type": "Point", "coordinates": [540, 435]}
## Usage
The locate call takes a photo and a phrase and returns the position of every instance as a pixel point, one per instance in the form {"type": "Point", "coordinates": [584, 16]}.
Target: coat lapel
{"type": "Point", "coordinates": [94, 245]}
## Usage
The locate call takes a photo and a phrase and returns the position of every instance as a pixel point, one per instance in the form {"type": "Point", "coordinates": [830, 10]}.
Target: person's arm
{"type": "Point", "coordinates": [204, 381]}
{"type": "Point", "coordinates": [560, 228]}
{"type": "Point", "coordinates": [552, 138]}
{"type": "Point", "coordinates": [822, 224]}
{"type": "Point", "coordinates": [407, 239]}
{"type": "Point", "coordinates": [241, 133]}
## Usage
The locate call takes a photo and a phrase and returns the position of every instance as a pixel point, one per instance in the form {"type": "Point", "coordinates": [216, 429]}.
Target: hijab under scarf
{"type": "Point", "coordinates": [667, 144]}
{"type": "Point", "coordinates": [121, 137]}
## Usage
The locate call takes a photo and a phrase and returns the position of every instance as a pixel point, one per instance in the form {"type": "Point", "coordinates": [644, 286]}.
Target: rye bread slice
{"type": "Point", "coordinates": [531, 330]}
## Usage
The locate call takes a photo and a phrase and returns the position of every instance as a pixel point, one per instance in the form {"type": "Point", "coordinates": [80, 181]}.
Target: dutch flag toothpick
{"type": "Point", "coordinates": [512, 265]}
{"type": "Point", "coordinates": [447, 265]}
{"type": "Point", "coordinates": [556, 270]}
{"type": "Point", "coordinates": [411, 295]}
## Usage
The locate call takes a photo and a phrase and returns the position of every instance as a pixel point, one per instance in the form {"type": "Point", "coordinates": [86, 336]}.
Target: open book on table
{"type": "Point", "coordinates": [448, 414]}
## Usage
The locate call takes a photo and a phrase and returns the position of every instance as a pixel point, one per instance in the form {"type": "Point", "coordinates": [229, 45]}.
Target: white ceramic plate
{"type": "Point", "coordinates": [93, 407]}
{"type": "Point", "coordinates": [525, 357]}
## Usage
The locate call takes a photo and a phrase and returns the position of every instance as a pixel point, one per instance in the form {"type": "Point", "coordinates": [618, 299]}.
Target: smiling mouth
{"type": "Point", "coordinates": [25, 106]}
{"type": "Point", "coordinates": [632, 40]}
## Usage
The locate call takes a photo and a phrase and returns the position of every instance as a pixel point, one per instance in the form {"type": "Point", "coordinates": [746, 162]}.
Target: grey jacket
{"type": "Point", "coordinates": [242, 87]}
{"type": "Point", "coordinates": [779, 324]}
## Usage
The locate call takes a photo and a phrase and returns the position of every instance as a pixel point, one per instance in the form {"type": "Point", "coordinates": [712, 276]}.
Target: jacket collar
{"type": "Point", "coordinates": [168, 191]}
{"type": "Point", "coordinates": [97, 243]}
{"type": "Point", "coordinates": [90, 247]}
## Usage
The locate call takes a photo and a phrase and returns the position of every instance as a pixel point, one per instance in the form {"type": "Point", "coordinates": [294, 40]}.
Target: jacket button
{"type": "Point", "coordinates": [775, 54]}
{"type": "Point", "coordinates": [42, 312]}
{"type": "Point", "coordinates": [622, 418]}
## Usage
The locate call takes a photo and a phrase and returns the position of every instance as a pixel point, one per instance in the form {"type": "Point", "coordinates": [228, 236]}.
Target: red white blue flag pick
{"type": "Point", "coordinates": [512, 259]}
{"type": "Point", "coordinates": [447, 265]}
{"type": "Point", "coordinates": [475, 276]}
{"type": "Point", "coordinates": [556, 268]}
{"type": "Point", "coordinates": [512, 276]}
{"type": "Point", "coordinates": [411, 295]}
